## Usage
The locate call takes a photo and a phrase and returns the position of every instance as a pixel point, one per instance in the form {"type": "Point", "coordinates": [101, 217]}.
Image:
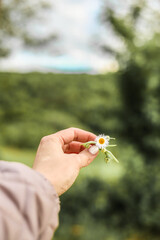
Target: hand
{"type": "Point", "coordinates": [60, 157]}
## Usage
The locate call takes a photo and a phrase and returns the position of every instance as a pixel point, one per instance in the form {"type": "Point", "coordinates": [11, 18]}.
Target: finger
{"type": "Point", "coordinates": [74, 134]}
{"type": "Point", "coordinates": [73, 147]}
{"type": "Point", "coordinates": [87, 156]}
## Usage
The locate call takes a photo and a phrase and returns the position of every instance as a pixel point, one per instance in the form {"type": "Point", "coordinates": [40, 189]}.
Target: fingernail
{"type": "Point", "coordinates": [93, 150]}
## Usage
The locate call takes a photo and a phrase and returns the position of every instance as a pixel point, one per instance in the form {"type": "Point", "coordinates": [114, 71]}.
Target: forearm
{"type": "Point", "coordinates": [29, 205]}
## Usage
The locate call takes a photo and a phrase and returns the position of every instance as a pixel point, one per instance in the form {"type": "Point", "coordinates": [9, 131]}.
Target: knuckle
{"type": "Point", "coordinates": [72, 128]}
{"type": "Point", "coordinates": [45, 139]}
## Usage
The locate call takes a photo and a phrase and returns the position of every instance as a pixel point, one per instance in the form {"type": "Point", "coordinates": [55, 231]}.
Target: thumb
{"type": "Point", "coordinates": [88, 155]}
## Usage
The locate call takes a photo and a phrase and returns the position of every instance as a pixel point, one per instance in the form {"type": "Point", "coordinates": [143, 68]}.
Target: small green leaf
{"type": "Point", "coordinates": [111, 145]}
{"type": "Point", "coordinates": [111, 156]}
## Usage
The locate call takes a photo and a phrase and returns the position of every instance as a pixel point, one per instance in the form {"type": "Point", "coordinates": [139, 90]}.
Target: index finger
{"type": "Point", "coordinates": [74, 134]}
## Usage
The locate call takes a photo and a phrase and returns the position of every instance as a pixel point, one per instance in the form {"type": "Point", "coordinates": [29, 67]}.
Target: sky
{"type": "Point", "coordinates": [79, 30]}
{"type": "Point", "coordinates": [77, 25]}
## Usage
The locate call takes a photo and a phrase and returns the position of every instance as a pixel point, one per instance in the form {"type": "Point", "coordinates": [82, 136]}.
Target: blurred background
{"type": "Point", "coordinates": [92, 64]}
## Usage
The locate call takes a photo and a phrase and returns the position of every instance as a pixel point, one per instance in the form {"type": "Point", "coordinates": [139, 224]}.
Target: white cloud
{"type": "Point", "coordinates": [75, 21]}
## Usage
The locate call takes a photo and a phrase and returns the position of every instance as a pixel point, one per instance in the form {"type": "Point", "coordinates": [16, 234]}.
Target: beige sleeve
{"type": "Point", "coordinates": [29, 205]}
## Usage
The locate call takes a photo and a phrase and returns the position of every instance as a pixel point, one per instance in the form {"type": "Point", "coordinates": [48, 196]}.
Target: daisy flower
{"type": "Point", "coordinates": [102, 141]}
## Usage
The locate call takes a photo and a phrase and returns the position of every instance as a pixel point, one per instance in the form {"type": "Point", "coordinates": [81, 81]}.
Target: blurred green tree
{"type": "Point", "coordinates": [17, 19]}
{"type": "Point", "coordinates": [139, 79]}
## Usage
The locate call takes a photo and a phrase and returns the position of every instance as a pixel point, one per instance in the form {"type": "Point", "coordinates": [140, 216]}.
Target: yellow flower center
{"type": "Point", "coordinates": [101, 140]}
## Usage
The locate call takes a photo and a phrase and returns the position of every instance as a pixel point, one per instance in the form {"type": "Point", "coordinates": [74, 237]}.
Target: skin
{"type": "Point", "coordinates": [60, 157]}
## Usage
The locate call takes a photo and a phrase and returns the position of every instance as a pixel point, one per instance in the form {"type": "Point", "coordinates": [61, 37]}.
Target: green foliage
{"type": "Point", "coordinates": [139, 82]}
{"type": "Point", "coordinates": [120, 26]}
{"type": "Point", "coordinates": [34, 105]}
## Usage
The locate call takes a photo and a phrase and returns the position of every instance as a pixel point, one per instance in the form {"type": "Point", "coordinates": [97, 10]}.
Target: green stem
{"type": "Point", "coordinates": [115, 159]}
{"type": "Point", "coordinates": [87, 144]}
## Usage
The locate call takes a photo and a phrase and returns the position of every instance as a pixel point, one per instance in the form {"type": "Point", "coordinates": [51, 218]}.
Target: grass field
{"type": "Point", "coordinates": [13, 154]}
